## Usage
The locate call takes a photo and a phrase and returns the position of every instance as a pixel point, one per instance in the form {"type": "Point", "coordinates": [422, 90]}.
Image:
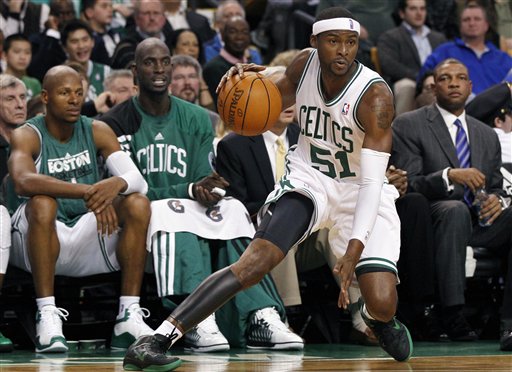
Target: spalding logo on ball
{"type": "Point", "coordinates": [249, 106]}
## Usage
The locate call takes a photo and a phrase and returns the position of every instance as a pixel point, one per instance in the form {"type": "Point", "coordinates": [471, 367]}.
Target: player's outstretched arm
{"type": "Point", "coordinates": [375, 113]}
{"type": "Point", "coordinates": [25, 147]}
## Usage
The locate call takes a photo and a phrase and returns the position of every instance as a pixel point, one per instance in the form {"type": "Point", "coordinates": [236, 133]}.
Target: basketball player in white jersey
{"type": "Point", "coordinates": [335, 178]}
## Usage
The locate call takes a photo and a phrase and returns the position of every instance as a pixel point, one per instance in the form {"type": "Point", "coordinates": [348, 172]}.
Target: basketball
{"type": "Point", "coordinates": [249, 106]}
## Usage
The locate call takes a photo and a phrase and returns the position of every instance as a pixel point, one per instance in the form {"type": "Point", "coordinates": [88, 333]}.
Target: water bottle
{"type": "Point", "coordinates": [480, 197]}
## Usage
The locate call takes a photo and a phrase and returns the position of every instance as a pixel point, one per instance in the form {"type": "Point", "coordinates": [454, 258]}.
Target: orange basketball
{"type": "Point", "coordinates": [249, 106]}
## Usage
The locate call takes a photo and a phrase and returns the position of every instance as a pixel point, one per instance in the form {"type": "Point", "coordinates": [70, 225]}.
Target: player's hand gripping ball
{"type": "Point", "coordinates": [249, 106]}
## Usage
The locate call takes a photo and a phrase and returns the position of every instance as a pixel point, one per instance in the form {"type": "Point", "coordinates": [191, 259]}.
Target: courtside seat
{"type": "Point", "coordinates": [488, 264]}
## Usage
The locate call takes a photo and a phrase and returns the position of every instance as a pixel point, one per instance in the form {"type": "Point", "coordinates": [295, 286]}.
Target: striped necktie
{"type": "Point", "coordinates": [464, 155]}
{"type": "Point", "coordinates": [280, 155]}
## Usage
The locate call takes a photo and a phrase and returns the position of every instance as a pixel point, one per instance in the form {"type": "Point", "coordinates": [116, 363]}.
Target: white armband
{"type": "Point", "coordinates": [373, 172]}
{"type": "Point", "coordinates": [5, 238]}
{"type": "Point", "coordinates": [121, 165]}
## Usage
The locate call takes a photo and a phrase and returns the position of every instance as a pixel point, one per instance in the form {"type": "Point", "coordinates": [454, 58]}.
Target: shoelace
{"type": "Point", "coordinates": [209, 325]}
{"type": "Point", "coordinates": [271, 317]}
{"type": "Point", "coordinates": [139, 313]}
{"type": "Point", "coordinates": [52, 316]}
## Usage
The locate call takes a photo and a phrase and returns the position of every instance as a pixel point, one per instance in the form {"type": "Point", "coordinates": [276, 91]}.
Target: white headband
{"type": "Point", "coordinates": [336, 24]}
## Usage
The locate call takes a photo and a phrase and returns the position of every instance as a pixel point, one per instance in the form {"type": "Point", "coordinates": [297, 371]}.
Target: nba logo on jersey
{"type": "Point", "coordinates": [346, 107]}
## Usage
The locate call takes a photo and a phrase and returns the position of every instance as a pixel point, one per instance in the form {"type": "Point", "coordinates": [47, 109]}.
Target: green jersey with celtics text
{"type": "Point", "coordinates": [171, 150]}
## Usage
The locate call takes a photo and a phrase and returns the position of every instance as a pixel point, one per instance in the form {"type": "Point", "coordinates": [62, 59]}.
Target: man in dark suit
{"type": "Point", "coordinates": [404, 49]}
{"type": "Point", "coordinates": [428, 144]}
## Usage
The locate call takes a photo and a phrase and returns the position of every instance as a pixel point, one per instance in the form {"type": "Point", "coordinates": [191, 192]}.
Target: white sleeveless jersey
{"type": "Point", "coordinates": [331, 136]}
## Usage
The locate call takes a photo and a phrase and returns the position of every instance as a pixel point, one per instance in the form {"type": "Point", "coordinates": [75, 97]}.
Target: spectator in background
{"type": "Point", "coordinates": [101, 103]}
{"type": "Point", "coordinates": [77, 40]}
{"type": "Point", "coordinates": [186, 42]}
{"type": "Point", "coordinates": [403, 50]}
{"type": "Point", "coordinates": [442, 16]}
{"type": "Point", "coordinates": [187, 84]}
{"type": "Point", "coordinates": [149, 19]}
{"type": "Point", "coordinates": [123, 9]}
{"type": "Point", "coordinates": [225, 10]}
{"type": "Point", "coordinates": [272, 34]}
{"type": "Point", "coordinates": [121, 85]}
{"type": "Point", "coordinates": [17, 54]}
{"type": "Point", "coordinates": [448, 156]}
{"type": "Point", "coordinates": [13, 113]}
{"type": "Point", "coordinates": [79, 224]}
{"type": "Point", "coordinates": [284, 58]}
{"type": "Point", "coordinates": [47, 49]}
{"type": "Point", "coordinates": [179, 17]}
{"type": "Point", "coordinates": [35, 107]}
{"type": "Point", "coordinates": [22, 17]}
{"type": "Point", "coordinates": [237, 38]}
{"type": "Point", "coordinates": [424, 94]}
{"type": "Point", "coordinates": [98, 14]}
{"type": "Point", "coordinates": [486, 64]}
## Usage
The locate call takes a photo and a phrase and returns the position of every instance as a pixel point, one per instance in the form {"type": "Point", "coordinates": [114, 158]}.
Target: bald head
{"type": "Point", "coordinates": [145, 47]}
{"type": "Point", "coordinates": [56, 75]}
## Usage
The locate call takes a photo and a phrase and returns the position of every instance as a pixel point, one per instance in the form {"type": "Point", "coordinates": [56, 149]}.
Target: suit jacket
{"type": "Point", "coordinates": [198, 23]}
{"type": "Point", "coordinates": [423, 147]}
{"type": "Point", "coordinates": [398, 54]}
{"type": "Point", "coordinates": [244, 163]}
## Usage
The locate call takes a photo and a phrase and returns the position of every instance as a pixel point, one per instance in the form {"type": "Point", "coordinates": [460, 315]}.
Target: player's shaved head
{"type": "Point", "coordinates": [147, 45]}
{"type": "Point", "coordinates": [56, 75]}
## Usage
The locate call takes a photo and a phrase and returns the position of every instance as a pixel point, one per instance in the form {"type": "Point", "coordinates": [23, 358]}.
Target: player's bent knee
{"type": "Point", "coordinates": [137, 206]}
{"type": "Point", "coordinates": [41, 209]}
{"type": "Point", "coordinates": [382, 310]}
{"type": "Point", "coordinates": [260, 257]}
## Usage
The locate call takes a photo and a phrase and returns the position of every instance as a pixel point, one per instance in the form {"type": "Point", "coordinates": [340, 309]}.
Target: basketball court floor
{"type": "Point", "coordinates": [453, 356]}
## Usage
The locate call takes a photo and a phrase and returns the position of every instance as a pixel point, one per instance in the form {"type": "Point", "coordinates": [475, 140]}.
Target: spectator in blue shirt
{"type": "Point", "coordinates": [487, 65]}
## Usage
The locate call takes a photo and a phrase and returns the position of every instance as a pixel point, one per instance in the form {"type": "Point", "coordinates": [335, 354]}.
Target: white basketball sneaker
{"type": "Point", "coordinates": [267, 331]}
{"type": "Point", "coordinates": [206, 337]}
{"type": "Point", "coordinates": [130, 326]}
{"type": "Point", "coordinates": [49, 336]}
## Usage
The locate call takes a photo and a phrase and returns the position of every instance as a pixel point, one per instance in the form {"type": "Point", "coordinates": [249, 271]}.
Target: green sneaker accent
{"type": "Point", "coordinates": [393, 336]}
{"type": "Point", "coordinates": [51, 347]}
{"type": "Point", "coordinates": [122, 341]}
{"type": "Point", "coordinates": [129, 326]}
{"type": "Point", "coordinates": [49, 324]}
{"type": "Point", "coordinates": [149, 353]}
{"type": "Point", "coordinates": [164, 368]}
{"type": "Point", "coordinates": [6, 345]}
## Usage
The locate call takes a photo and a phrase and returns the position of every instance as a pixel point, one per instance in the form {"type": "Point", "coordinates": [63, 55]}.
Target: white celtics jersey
{"type": "Point", "coordinates": [331, 136]}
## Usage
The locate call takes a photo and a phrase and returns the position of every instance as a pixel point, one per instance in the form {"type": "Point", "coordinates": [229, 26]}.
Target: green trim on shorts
{"type": "Point", "coordinates": [101, 240]}
{"type": "Point", "coordinates": [375, 264]}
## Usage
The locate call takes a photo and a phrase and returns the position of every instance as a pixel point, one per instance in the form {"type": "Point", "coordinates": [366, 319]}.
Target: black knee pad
{"type": "Point", "coordinates": [286, 221]}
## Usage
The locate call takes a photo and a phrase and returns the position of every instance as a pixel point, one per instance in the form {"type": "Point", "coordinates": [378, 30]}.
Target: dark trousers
{"type": "Point", "coordinates": [498, 239]}
{"type": "Point", "coordinates": [416, 262]}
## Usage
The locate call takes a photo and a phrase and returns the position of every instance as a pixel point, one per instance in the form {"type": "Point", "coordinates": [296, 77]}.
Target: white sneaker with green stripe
{"type": "Point", "coordinates": [49, 336]}
{"type": "Point", "coordinates": [130, 326]}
